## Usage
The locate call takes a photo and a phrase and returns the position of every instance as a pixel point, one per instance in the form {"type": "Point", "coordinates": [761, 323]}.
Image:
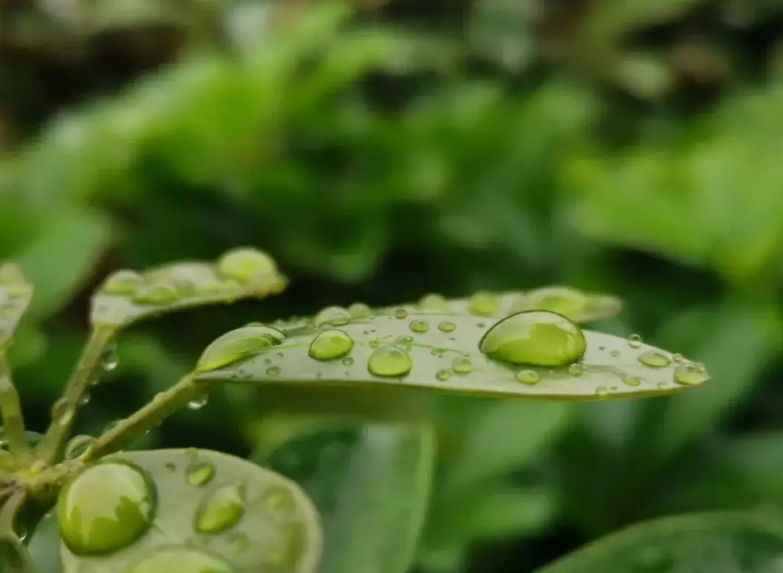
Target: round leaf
{"type": "Point", "coordinates": [394, 351]}
{"type": "Point", "coordinates": [185, 508]}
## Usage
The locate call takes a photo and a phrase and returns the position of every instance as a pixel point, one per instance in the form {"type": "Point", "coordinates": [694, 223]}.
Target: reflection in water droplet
{"type": "Point", "coordinates": [77, 445]}
{"type": "Point", "coordinates": [245, 264]}
{"type": "Point", "coordinates": [109, 358]}
{"type": "Point", "coordinates": [198, 402]}
{"type": "Point", "coordinates": [359, 310]}
{"type": "Point", "coordinates": [156, 294]}
{"type": "Point", "coordinates": [389, 362]}
{"type": "Point", "coordinates": [537, 338]}
{"type": "Point", "coordinates": [447, 326]}
{"type": "Point", "coordinates": [462, 365]}
{"type": "Point", "coordinates": [404, 340]}
{"type": "Point", "coordinates": [106, 507]}
{"type": "Point", "coordinates": [237, 345]}
{"type": "Point", "coordinates": [330, 345]}
{"type": "Point", "coordinates": [654, 359]}
{"type": "Point", "coordinates": [443, 375]}
{"type": "Point", "coordinates": [614, 353]}
{"type": "Point", "coordinates": [273, 371]}
{"type": "Point", "coordinates": [528, 377]}
{"type": "Point", "coordinates": [419, 326]}
{"type": "Point", "coordinates": [632, 381]}
{"type": "Point", "coordinates": [576, 370]}
{"type": "Point", "coordinates": [200, 473]}
{"type": "Point", "coordinates": [221, 510]}
{"type": "Point", "coordinates": [690, 375]}
{"type": "Point", "coordinates": [433, 302]}
{"type": "Point", "coordinates": [347, 361]}
{"type": "Point", "coordinates": [332, 315]}
{"type": "Point", "coordinates": [634, 341]}
{"type": "Point", "coordinates": [180, 560]}
{"type": "Point", "coordinates": [483, 304]}
{"type": "Point", "coordinates": [400, 313]}
{"type": "Point", "coordinates": [122, 283]}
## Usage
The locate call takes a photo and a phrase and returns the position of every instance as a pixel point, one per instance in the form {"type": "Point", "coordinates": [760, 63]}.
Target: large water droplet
{"type": "Point", "coordinates": [419, 326]}
{"type": "Point", "coordinates": [180, 560]}
{"type": "Point", "coordinates": [359, 310]}
{"type": "Point", "coordinates": [156, 294]}
{"type": "Point", "coordinates": [330, 345]}
{"type": "Point", "coordinates": [536, 338]}
{"type": "Point", "coordinates": [200, 473]}
{"type": "Point", "coordinates": [122, 283]}
{"type": "Point", "coordinates": [562, 300]}
{"type": "Point", "coordinates": [654, 359]}
{"type": "Point", "coordinates": [237, 345]}
{"type": "Point", "coordinates": [528, 377]}
{"type": "Point", "coordinates": [332, 315]}
{"type": "Point", "coordinates": [221, 510]}
{"type": "Point", "coordinates": [245, 264]}
{"type": "Point", "coordinates": [105, 508]}
{"type": "Point", "coordinates": [389, 362]}
{"type": "Point", "coordinates": [433, 302]}
{"type": "Point", "coordinates": [77, 445]}
{"type": "Point", "coordinates": [690, 375]}
{"type": "Point", "coordinates": [483, 304]}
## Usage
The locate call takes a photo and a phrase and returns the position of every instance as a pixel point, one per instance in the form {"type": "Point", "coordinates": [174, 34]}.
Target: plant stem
{"type": "Point", "coordinates": [13, 554]}
{"type": "Point", "coordinates": [11, 411]}
{"type": "Point", "coordinates": [65, 408]}
{"type": "Point", "coordinates": [149, 416]}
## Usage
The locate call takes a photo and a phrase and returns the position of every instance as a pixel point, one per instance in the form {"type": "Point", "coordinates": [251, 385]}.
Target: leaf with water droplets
{"type": "Point", "coordinates": [533, 354]}
{"type": "Point", "coordinates": [15, 295]}
{"type": "Point", "coordinates": [577, 305]}
{"type": "Point", "coordinates": [371, 483]}
{"type": "Point", "coordinates": [127, 296]}
{"type": "Point", "coordinates": [696, 543]}
{"type": "Point", "coordinates": [187, 511]}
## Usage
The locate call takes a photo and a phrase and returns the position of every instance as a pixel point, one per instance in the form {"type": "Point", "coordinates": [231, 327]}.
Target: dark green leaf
{"type": "Point", "coordinates": [205, 507]}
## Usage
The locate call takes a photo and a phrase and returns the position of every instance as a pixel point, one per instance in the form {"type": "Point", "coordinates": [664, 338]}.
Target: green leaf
{"type": "Point", "coordinates": [371, 484]}
{"type": "Point", "coordinates": [45, 544]}
{"type": "Point", "coordinates": [179, 508]}
{"type": "Point", "coordinates": [15, 295]}
{"type": "Point", "coordinates": [127, 296]}
{"type": "Point", "coordinates": [13, 556]}
{"type": "Point", "coordinates": [530, 354]}
{"type": "Point", "coordinates": [696, 543]}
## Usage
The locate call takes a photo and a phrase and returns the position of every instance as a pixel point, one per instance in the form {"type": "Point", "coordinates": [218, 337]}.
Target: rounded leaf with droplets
{"type": "Point", "coordinates": [15, 296]}
{"type": "Point", "coordinates": [464, 354]}
{"type": "Point", "coordinates": [127, 296]}
{"type": "Point", "coordinates": [188, 511]}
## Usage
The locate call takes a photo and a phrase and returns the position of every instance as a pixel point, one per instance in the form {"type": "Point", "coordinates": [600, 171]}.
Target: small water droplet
{"type": "Point", "coordinates": [105, 508]}
{"type": "Point", "coordinates": [77, 445]}
{"type": "Point", "coordinates": [634, 341]}
{"type": "Point", "coordinates": [200, 473]}
{"type": "Point", "coordinates": [221, 510]}
{"type": "Point", "coordinates": [536, 338]}
{"type": "Point", "coordinates": [330, 345]}
{"type": "Point", "coordinates": [404, 340]}
{"type": "Point", "coordinates": [122, 283]}
{"type": "Point", "coordinates": [576, 370]}
{"type": "Point", "coordinates": [245, 264]}
{"type": "Point", "coordinates": [433, 301]}
{"type": "Point", "coordinates": [62, 412]}
{"type": "Point", "coordinates": [677, 358]}
{"type": "Point", "coordinates": [198, 402]}
{"type": "Point", "coordinates": [602, 392]}
{"type": "Point", "coordinates": [447, 326]}
{"type": "Point", "coordinates": [359, 310]}
{"type": "Point", "coordinates": [389, 362]}
{"type": "Point", "coordinates": [662, 385]}
{"type": "Point", "coordinates": [462, 365]}
{"type": "Point", "coordinates": [528, 377]}
{"type": "Point", "coordinates": [400, 313]}
{"type": "Point", "coordinates": [109, 358]}
{"type": "Point", "coordinates": [483, 304]}
{"type": "Point", "coordinates": [156, 294]}
{"type": "Point", "coordinates": [614, 353]}
{"type": "Point", "coordinates": [419, 326]}
{"type": "Point", "coordinates": [654, 359]}
{"type": "Point", "coordinates": [238, 345]}
{"type": "Point", "coordinates": [632, 381]}
{"type": "Point", "coordinates": [443, 375]}
{"type": "Point", "coordinates": [690, 375]}
{"type": "Point", "coordinates": [347, 361]}
{"type": "Point", "coordinates": [332, 315]}
{"type": "Point", "coordinates": [273, 371]}
{"type": "Point", "coordinates": [180, 559]}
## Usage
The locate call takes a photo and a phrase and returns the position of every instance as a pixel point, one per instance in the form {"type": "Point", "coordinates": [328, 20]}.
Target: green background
{"type": "Point", "coordinates": [628, 147]}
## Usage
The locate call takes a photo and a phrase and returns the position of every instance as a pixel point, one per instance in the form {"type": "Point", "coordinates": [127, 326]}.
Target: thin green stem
{"type": "Point", "coordinates": [13, 554]}
{"type": "Point", "coordinates": [149, 416]}
{"type": "Point", "coordinates": [65, 409]}
{"type": "Point", "coordinates": [11, 411]}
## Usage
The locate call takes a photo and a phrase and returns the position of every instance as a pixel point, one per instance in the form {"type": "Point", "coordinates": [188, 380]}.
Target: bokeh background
{"type": "Point", "coordinates": [393, 148]}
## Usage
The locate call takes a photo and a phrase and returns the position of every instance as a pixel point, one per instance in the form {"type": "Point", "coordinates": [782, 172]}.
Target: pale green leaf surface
{"type": "Point", "coordinates": [371, 484]}
{"type": "Point", "coordinates": [278, 530]}
{"type": "Point", "coordinates": [15, 295]}
{"type": "Point", "coordinates": [696, 543]}
{"type": "Point", "coordinates": [610, 367]}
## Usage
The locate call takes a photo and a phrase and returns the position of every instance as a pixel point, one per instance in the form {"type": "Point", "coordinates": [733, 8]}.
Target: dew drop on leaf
{"type": "Point", "coordinates": [389, 362]}
{"type": "Point", "coordinates": [654, 359]}
{"type": "Point", "coordinates": [122, 283]}
{"type": "Point", "coordinates": [200, 473]}
{"type": "Point", "coordinates": [433, 301]}
{"type": "Point", "coordinates": [181, 560]}
{"type": "Point", "coordinates": [273, 371]}
{"type": "Point", "coordinates": [359, 310]}
{"type": "Point", "coordinates": [562, 300]}
{"type": "Point", "coordinates": [677, 358]}
{"type": "Point", "coordinates": [528, 377]}
{"type": "Point", "coordinates": [446, 326]}
{"type": "Point", "coordinates": [347, 361]}
{"type": "Point", "coordinates": [221, 510]}
{"type": "Point", "coordinates": [332, 315]}
{"type": "Point", "coordinates": [105, 508]}
{"type": "Point", "coordinates": [634, 341]}
{"type": "Point", "coordinates": [330, 345]}
{"type": "Point", "coordinates": [535, 338]}
{"type": "Point", "coordinates": [483, 304]}
{"type": "Point", "coordinates": [419, 326]}
{"type": "Point", "coordinates": [576, 370]}
{"type": "Point", "coordinates": [245, 264]}
{"type": "Point", "coordinates": [443, 375]}
{"type": "Point", "coordinates": [462, 365]}
{"type": "Point", "coordinates": [632, 381]}
{"type": "Point", "coordinates": [238, 345]}
{"type": "Point", "coordinates": [690, 375]}
{"type": "Point", "coordinates": [602, 392]}
{"type": "Point", "coordinates": [400, 313]}
{"type": "Point", "coordinates": [198, 402]}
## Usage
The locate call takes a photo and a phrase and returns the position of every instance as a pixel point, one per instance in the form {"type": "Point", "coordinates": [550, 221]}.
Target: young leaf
{"type": "Point", "coordinates": [697, 543]}
{"type": "Point", "coordinates": [188, 511]}
{"type": "Point", "coordinates": [371, 484]}
{"type": "Point", "coordinates": [127, 296]}
{"type": "Point", "coordinates": [572, 303]}
{"type": "Point", "coordinates": [536, 354]}
{"type": "Point", "coordinates": [15, 295]}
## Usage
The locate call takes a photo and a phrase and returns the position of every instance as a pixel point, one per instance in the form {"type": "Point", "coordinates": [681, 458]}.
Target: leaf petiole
{"type": "Point", "coordinates": [11, 411]}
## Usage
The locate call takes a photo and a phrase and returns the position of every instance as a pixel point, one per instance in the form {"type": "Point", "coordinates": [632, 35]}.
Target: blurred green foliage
{"type": "Point", "coordinates": [407, 147]}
